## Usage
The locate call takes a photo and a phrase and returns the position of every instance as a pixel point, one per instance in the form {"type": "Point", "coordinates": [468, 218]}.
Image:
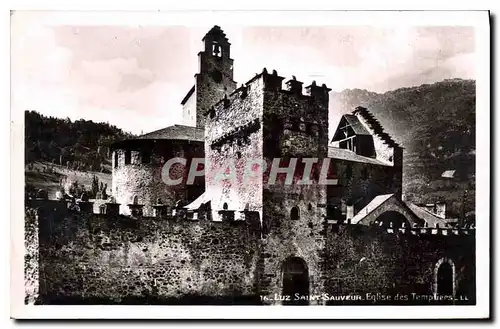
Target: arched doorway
{"type": "Point", "coordinates": [295, 282]}
{"type": "Point", "coordinates": [445, 279]}
{"type": "Point", "coordinates": [392, 219]}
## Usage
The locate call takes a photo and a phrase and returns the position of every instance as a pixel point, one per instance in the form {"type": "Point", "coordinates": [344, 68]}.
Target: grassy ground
{"type": "Point", "coordinates": [48, 176]}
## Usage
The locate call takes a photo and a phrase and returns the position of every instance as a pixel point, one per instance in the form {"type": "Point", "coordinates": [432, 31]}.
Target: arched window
{"type": "Point", "coordinates": [294, 213]}
{"type": "Point", "coordinates": [225, 206]}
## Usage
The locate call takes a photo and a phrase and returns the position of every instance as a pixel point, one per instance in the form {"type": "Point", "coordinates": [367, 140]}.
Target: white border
{"type": "Point", "coordinates": [477, 19]}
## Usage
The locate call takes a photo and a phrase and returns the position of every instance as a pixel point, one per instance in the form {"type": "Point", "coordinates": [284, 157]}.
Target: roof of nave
{"type": "Point", "coordinates": [354, 123]}
{"type": "Point", "coordinates": [375, 125]}
{"type": "Point", "coordinates": [188, 95]}
{"type": "Point", "coordinates": [178, 132]}
{"type": "Point", "coordinates": [426, 215]}
{"type": "Point", "coordinates": [370, 207]}
{"type": "Point", "coordinates": [348, 155]}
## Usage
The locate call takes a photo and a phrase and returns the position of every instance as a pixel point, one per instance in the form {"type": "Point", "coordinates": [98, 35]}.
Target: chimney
{"type": "Point", "coordinates": [441, 210]}
{"type": "Point", "coordinates": [350, 212]}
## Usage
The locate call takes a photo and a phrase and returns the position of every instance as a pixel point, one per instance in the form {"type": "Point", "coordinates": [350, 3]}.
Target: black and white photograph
{"type": "Point", "coordinates": [312, 159]}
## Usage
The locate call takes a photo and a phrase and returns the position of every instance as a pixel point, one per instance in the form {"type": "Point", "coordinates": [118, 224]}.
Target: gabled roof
{"type": "Point", "coordinates": [354, 123]}
{"type": "Point", "coordinates": [343, 154]}
{"type": "Point", "coordinates": [426, 216]}
{"type": "Point", "coordinates": [196, 204]}
{"type": "Point", "coordinates": [190, 92]}
{"type": "Point", "coordinates": [370, 207]}
{"type": "Point", "coordinates": [375, 125]}
{"type": "Point", "coordinates": [179, 132]}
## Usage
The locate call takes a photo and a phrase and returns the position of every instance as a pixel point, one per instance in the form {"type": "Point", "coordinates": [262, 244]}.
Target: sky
{"type": "Point", "coordinates": [134, 76]}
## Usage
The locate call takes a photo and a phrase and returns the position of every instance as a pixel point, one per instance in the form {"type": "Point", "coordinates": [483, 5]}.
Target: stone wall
{"type": "Point", "coordinates": [295, 126]}
{"type": "Point", "coordinates": [31, 259]}
{"type": "Point", "coordinates": [103, 259]}
{"type": "Point", "coordinates": [359, 183]}
{"type": "Point", "coordinates": [233, 141]}
{"type": "Point", "coordinates": [98, 259]}
{"type": "Point", "coordinates": [364, 259]}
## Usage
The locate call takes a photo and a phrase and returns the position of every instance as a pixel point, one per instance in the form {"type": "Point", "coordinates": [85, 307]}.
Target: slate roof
{"type": "Point", "coordinates": [179, 132]}
{"type": "Point", "coordinates": [196, 204]}
{"type": "Point", "coordinates": [185, 99]}
{"type": "Point", "coordinates": [427, 216]}
{"type": "Point", "coordinates": [344, 154]}
{"type": "Point", "coordinates": [374, 204]}
{"type": "Point", "coordinates": [375, 125]}
{"type": "Point", "coordinates": [356, 125]}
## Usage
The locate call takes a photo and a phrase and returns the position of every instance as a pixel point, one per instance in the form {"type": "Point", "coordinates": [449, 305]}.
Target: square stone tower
{"type": "Point", "coordinates": [260, 134]}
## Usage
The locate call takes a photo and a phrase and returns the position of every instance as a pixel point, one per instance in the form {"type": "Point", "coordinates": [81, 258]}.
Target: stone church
{"type": "Point", "coordinates": [206, 237]}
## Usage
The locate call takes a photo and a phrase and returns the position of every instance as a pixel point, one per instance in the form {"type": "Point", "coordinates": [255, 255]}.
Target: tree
{"type": "Point", "coordinates": [95, 186]}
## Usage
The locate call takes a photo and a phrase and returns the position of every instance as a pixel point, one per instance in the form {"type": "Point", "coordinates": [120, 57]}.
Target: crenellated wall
{"type": "Point", "coordinates": [89, 257]}
{"type": "Point", "coordinates": [74, 257]}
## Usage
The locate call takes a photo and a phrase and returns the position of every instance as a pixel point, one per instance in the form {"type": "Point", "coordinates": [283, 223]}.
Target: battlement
{"type": "Point", "coordinates": [166, 214]}
{"type": "Point", "coordinates": [274, 82]}
{"type": "Point", "coordinates": [333, 225]}
{"type": "Point", "coordinates": [109, 212]}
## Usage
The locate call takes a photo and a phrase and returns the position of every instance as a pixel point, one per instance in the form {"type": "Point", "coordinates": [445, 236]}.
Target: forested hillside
{"type": "Point", "coordinates": [80, 145]}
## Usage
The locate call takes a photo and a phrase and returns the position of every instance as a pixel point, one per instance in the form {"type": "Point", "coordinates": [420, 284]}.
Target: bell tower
{"type": "Point", "coordinates": [215, 77]}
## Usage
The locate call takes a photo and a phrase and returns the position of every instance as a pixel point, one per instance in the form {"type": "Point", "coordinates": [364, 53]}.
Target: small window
{"type": "Point", "coordinates": [146, 157]}
{"type": "Point", "coordinates": [225, 206]}
{"type": "Point", "coordinates": [294, 213]}
{"type": "Point", "coordinates": [310, 207]}
{"type": "Point", "coordinates": [348, 172]}
{"type": "Point", "coordinates": [127, 157]}
{"type": "Point", "coordinates": [364, 173]}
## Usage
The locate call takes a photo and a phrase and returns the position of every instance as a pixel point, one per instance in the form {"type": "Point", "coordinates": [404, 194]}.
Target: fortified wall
{"type": "Point", "coordinates": [108, 258]}
{"type": "Point", "coordinates": [78, 257]}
